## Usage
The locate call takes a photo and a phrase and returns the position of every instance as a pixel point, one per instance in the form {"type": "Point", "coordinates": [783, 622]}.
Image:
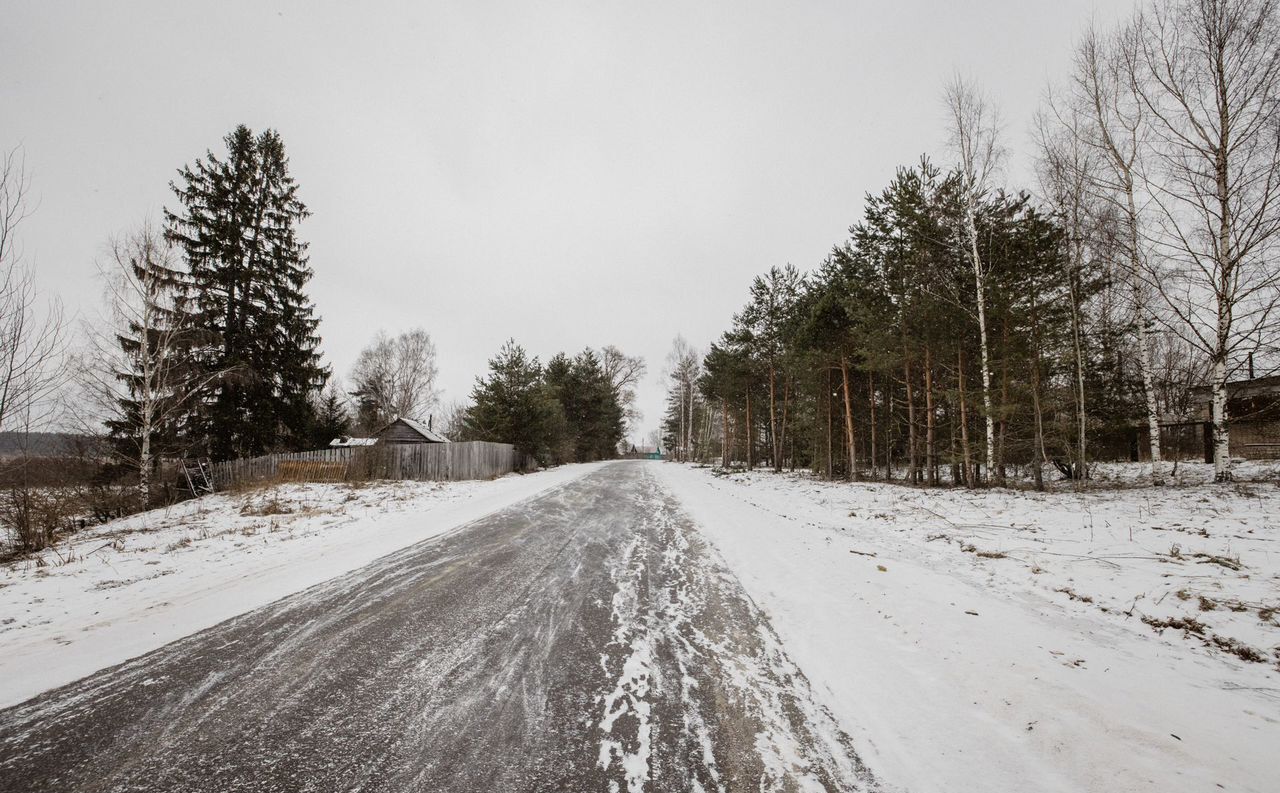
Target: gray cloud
{"type": "Point", "coordinates": [569, 174]}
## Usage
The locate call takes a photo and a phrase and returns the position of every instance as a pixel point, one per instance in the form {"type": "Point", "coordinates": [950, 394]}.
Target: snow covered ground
{"type": "Point", "coordinates": [1180, 473]}
{"type": "Point", "coordinates": [127, 587]}
{"type": "Point", "coordinates": [998, 640]}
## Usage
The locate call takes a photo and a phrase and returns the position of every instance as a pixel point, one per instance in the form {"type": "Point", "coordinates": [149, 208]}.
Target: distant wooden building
{"type": "Point", "coordinates": [1253, 413]}
{"type": "Point", "coordinates": [346, 442]}
{"type": "Point", "coordinates": [404, 430]}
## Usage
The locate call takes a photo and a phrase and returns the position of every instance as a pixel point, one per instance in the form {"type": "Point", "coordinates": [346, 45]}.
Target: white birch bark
{"type": "Point", "coordinates": [975, 144]}
{"type": "Point", "coordinates": [1209, 80]}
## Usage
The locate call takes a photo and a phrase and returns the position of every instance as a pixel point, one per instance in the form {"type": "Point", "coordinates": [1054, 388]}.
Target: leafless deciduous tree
{"type": "Point", "coordinates": [453, 419]}
{"type": "Point", "coordinates": [396, 377]}
{"type": "Point", "coordinates": [1104, 90]}
{"type": "Point", "coordinates": [136, 371]}
{"type": "Point", "coordinates": [1209, 81]}
{"type": "Point", "coordinates": [1066, 169]}
{"type": "Point", "coordinates": [624, 373]}
{"type": "Point", "coordinates": [684, 364]}
{"type": "Point", "coordinates": [31, 339]}
{"type": "Point", "coordinates": [31, 358]}
{"type": "Point", "coordinates": [974, 130]}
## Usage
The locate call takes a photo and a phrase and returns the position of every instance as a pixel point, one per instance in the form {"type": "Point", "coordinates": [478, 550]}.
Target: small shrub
{"type": "Point", "coordinates": [34, 517]}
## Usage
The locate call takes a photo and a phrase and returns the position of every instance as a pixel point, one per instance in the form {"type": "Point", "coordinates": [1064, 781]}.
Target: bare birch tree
{"type": "Point", "coordinates": [684, 364]}
{"type": "Point", "coordinates": [1210, 86]}
{"type": "Point", "coordinates": [975, 145]}
{"type": "Point", "coordinates": [136, 372]}
{"type": "Point", "coordinates": [1066, 169]}
{"type": "Point", "coordinates": [1104, 89]}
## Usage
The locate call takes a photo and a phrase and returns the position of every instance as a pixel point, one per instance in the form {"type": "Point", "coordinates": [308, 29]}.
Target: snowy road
{"type": "Point", "coordinates": [584, 640]}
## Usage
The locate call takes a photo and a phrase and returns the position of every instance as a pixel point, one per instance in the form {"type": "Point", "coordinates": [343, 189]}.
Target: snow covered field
{"type": "Point", "coordinates": [130, 586]}
{"type": "Point", "coordinates": [1006, 641]}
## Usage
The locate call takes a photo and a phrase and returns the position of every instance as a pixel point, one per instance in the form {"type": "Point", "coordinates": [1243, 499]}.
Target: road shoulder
{"type": "Point", "coordinates": [138, 584]}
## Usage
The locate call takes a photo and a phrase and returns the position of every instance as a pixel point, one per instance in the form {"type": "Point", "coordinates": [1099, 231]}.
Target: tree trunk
{"type": "Point", "coordinates": [980, 293]}
{"type": "Point", "coordinates": [748, 434]}
{"type": "Point", "coordinates": [848, 417]}
{"type": "Point", "coordinates": [999, 471]}
{"type": "Point", "coordinates": [830, 469]}
{"type": "Point", "coordinates": [871, 398]}
{"type": "Point", "coordinates": [1225, 289]}
{"type": "Point", "coordinates": [144, 458]}
{"type": "Point", "coordinates": [1039, 457]}
{"type": "Point", "coordinates": [888, 427]}
{"type": "Point", "coordinates": [680, 437]}
{"type": "Point", "coordinates": [782, 429]}
{"type": "Point", "coordinates": [724, 433]}
{"type": "Point", "coordinates": [689, 424]}
{"type": "Point", "coordinates": [1146, 326]}
{"type": "Point", "coordinates": [930, 442]}
{"type": "Point", "coordinates": [773, 420]}
{"type": "Point", "coordinates": [951, 436]}
{"type": "Point", "coordinates": [1077, 345]}
{"type": "Point", "coordinates": [913, 461]}
{"type": "Point", "coordinates": [1221, 439]}
{"type": "Point", "coordinates": [964, 423]}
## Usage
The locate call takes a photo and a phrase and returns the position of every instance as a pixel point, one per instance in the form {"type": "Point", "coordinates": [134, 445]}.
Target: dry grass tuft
{"type": "Point", "coordinates": [1071, 593]}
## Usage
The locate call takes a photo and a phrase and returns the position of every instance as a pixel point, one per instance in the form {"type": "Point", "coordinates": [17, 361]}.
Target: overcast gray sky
{"type": "Point", "coordinates": [568, 174]}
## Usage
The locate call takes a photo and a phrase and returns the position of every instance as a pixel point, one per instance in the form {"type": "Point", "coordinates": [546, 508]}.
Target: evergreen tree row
{"type": "Point", "coordinates": [565, 411]}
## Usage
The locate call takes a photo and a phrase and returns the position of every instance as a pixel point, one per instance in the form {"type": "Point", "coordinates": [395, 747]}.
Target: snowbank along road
{"type": "Point", "coordinates": [587, 639]}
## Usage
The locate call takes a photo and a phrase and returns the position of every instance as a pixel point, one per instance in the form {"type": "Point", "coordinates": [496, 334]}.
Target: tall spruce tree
{"type": "Point", "coordinates": [237, 225]}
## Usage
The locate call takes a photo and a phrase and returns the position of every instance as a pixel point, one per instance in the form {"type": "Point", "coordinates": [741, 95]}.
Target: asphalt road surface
{"type": "Point", "coordinates": [584, 640]}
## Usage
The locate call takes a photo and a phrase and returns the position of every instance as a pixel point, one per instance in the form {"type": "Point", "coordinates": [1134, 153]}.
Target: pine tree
{"type": "Point", "coordinates": [768, 320]}
{"type": "Point", "coordinates": [237, 226]}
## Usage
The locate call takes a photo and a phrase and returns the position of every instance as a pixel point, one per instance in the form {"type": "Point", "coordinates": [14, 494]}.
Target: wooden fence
{"type": "Point", "coordinates": [441, 462]}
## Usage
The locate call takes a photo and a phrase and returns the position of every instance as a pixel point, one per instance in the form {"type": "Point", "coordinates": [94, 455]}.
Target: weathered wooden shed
{"type": "Point", "coordinates": [1253, 410]}
{"type": "Point", "coordinates": [405, 430]}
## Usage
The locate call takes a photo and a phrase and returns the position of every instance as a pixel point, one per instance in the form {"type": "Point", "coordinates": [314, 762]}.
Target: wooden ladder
{"type": "Point", "coordinates": [199, 473]}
